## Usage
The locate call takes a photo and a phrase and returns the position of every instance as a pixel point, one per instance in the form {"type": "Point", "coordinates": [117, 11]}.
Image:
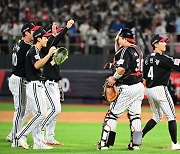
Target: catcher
{"type": "Point", "coordinates": [127, 77]}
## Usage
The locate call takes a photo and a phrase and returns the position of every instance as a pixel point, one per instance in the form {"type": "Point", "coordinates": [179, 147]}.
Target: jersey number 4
{"type": "Point", "coordinates": [150, 73]}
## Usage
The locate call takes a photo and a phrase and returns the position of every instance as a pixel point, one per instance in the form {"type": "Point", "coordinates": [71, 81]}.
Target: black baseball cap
{"type": "Point", "coordinates": [40, 33]}
{"type": "Point", "coordinates": [49, 29]}
{"type": "Point", "coordinates": [29, 26]}
{"type": "Point", "coordinates": [158, 38]}
{"type": "Point", "coordinates": [128, 34]}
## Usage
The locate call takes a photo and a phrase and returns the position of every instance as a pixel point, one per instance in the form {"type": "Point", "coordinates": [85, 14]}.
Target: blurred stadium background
{"type": "Point", "coordinates": [91, 40]}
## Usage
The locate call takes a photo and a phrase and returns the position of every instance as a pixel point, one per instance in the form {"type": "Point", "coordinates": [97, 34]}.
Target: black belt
{"type": "Point", "coordinates": [43, 81]}
{"type": "Point", "coordinates": [56, 80]}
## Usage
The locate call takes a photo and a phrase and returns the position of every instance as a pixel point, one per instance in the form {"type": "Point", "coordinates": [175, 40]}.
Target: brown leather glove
{"type": "Point", "coordinates": [110, 93]}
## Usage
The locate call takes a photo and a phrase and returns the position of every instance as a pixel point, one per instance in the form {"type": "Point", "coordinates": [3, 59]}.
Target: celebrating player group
{"type": "Point", "coordinates": [36, 89]}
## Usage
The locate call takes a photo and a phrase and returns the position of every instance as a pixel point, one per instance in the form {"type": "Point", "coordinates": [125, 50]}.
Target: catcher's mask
{"type": "Point", "coordinates": [128, 34]}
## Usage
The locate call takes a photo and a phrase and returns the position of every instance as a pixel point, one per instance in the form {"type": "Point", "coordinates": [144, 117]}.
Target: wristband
{"type": "Point", "coordinates": [117, 76]}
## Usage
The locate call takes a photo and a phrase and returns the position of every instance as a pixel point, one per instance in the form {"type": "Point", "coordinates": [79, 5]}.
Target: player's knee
{"type": "Point", "coordinates": [111, 120]}
{"type": "Point", "coordinates": [110, 115]}
{"type": "Point", "coordinates": [58, 110]}
{"type": "Point", "coordinates": [133, 117]}
{"type": "Point", "coordinates": [42, 115]}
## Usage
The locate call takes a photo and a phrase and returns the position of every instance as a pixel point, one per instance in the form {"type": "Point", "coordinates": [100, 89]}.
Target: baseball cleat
{"type": "Point", "coordinates": [136, 148]}
{"type": "Point", "coordinates": [133, 147]}
{"type": "Point", "coordinates": [9, 138]}
{"type": "Point", "coordinates": [175, 146]}
{"type": "Point", "coordinates": [102, 148]}
{"type": "Point", "coordinates": [23, 143]}
{"type": "Point", "coordinates": [54, 142]}
{"type": "Point", "coordinates": [44, 146]}
{"type": "Point", "coordinates": [98, 143]}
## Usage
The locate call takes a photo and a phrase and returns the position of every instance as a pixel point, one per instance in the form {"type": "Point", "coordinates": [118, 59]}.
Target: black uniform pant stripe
{"type": "Point", "coordinates": [169, 101]}
{"type": "Point", "coordinates": [37, 115]}
{"type": "Point", "coordinates": [19, 110]}
{"type": "Point", "coordinates": [53, 109]}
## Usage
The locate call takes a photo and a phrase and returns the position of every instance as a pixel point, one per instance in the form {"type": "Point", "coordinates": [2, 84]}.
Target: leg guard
{"type": "Point", "coordinates": [137, 138]}
{"type": "Point", "coordinates": [108, 137]}
{"type": "Point", "coordinates": [105, 135]}
{"type": "Point", "coordinates": [111, 138]}
{"type": "Point", "coordinates": [108, 131]}
{"type": "Point", "coordinates": [136, 134]}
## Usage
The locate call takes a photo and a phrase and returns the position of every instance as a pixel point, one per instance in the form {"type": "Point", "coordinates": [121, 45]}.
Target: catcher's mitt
{"type": "Point", "coordinates": [110, 93]}
{"type": "Point", "coordinates": [61, 55]}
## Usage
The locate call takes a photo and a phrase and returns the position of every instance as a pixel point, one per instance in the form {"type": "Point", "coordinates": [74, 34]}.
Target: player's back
{"type": "Point", "coordinates": [18, 58]}
{"type": "Point", "coordinates": [156, 70]}
{"type": "Point", "coordinates": [130, 58]}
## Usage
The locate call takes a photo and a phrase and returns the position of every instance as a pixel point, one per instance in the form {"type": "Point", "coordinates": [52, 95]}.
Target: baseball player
{"type": "Point", "coordinates": [17, 79]}
{"type": "Point", "coordinates": [128, 79]}
{"type": "Point", "coordinates": [157, 69]}
{"type": "Point", "coordinates": [28, 110]}
{"type": "Point", "coordinates": [52, 86]}
{"type": "Point", "coordinates": [36, 90]}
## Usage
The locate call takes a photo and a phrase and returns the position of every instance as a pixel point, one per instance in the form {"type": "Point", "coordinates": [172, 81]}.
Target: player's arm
{"type": "Point", "coordinates": [41, 62]}
{"type": "Point", "coordinates": [117, 75]}
{"type": "Point", "coordinates": [145, 68]}
{"type": "Point", "coordinates": [121, 66]}
{"type": "Point", "coordinates": [116, 42]}
{"type": "Point", "coordinates": [60, 36]}
{"type": "Point", "coordinates": [172, 63]}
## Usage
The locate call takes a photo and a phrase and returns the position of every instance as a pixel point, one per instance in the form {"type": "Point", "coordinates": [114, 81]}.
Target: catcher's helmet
{"type": "Point", "coordinates": [127, 33]}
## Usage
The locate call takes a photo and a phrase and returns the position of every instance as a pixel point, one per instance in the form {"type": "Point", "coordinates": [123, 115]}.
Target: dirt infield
{"type": "Point", "coordinates": [7, 116]}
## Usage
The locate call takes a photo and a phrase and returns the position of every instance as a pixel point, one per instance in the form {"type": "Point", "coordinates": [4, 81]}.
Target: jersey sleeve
{"type": "Point", "coordinates": [145, 68]}
{"type": "Point", "coordinates": [60, 37]}
{"type": "Point", "coordinates": [124, 60]}
{"type": "Point", "coordinates": [34, 57]}
{"type": "Point", "coordinates": [171, 63]}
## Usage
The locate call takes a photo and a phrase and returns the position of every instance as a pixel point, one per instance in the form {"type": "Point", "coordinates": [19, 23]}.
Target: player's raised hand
{"type": "Point", "coordinates": [117, 36]}
{"type": "Point", "coordinates": [54, 28]}
{"type": "Point", "coordinates": [70, 23]}
{"type": "Point", "coordinates": [117, 41]}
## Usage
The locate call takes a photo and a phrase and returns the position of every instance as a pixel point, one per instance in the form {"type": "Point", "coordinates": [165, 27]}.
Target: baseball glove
{"type": "Point", "coordinates": [110, 93]}
{"type": "Point", "coordinates": [61, 55]}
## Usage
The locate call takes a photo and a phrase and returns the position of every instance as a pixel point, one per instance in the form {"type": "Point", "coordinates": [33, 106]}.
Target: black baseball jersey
{"type": "Point", "coordinates": [55, 74]}
{"type": "Point", "coordinates": [157, 69]}
{"type": "Point", "coordinates": [131, 59]}
{"type": "Point", "coordinates": [32, 73]}
{"type": "Point", "coordinates": [18, 58]}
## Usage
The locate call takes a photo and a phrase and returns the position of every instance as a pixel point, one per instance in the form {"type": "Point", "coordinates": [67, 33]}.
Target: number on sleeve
{"type": "Point", "coordinates": [150, 73]}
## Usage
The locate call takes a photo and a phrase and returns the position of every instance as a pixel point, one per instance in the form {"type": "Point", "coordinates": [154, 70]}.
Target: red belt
{"type": "Point", "coordinates": [136, 74]}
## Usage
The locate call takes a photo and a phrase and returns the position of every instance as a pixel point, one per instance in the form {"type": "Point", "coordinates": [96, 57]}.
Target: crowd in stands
{"type": "Point", "coordinates": [96, 21]}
